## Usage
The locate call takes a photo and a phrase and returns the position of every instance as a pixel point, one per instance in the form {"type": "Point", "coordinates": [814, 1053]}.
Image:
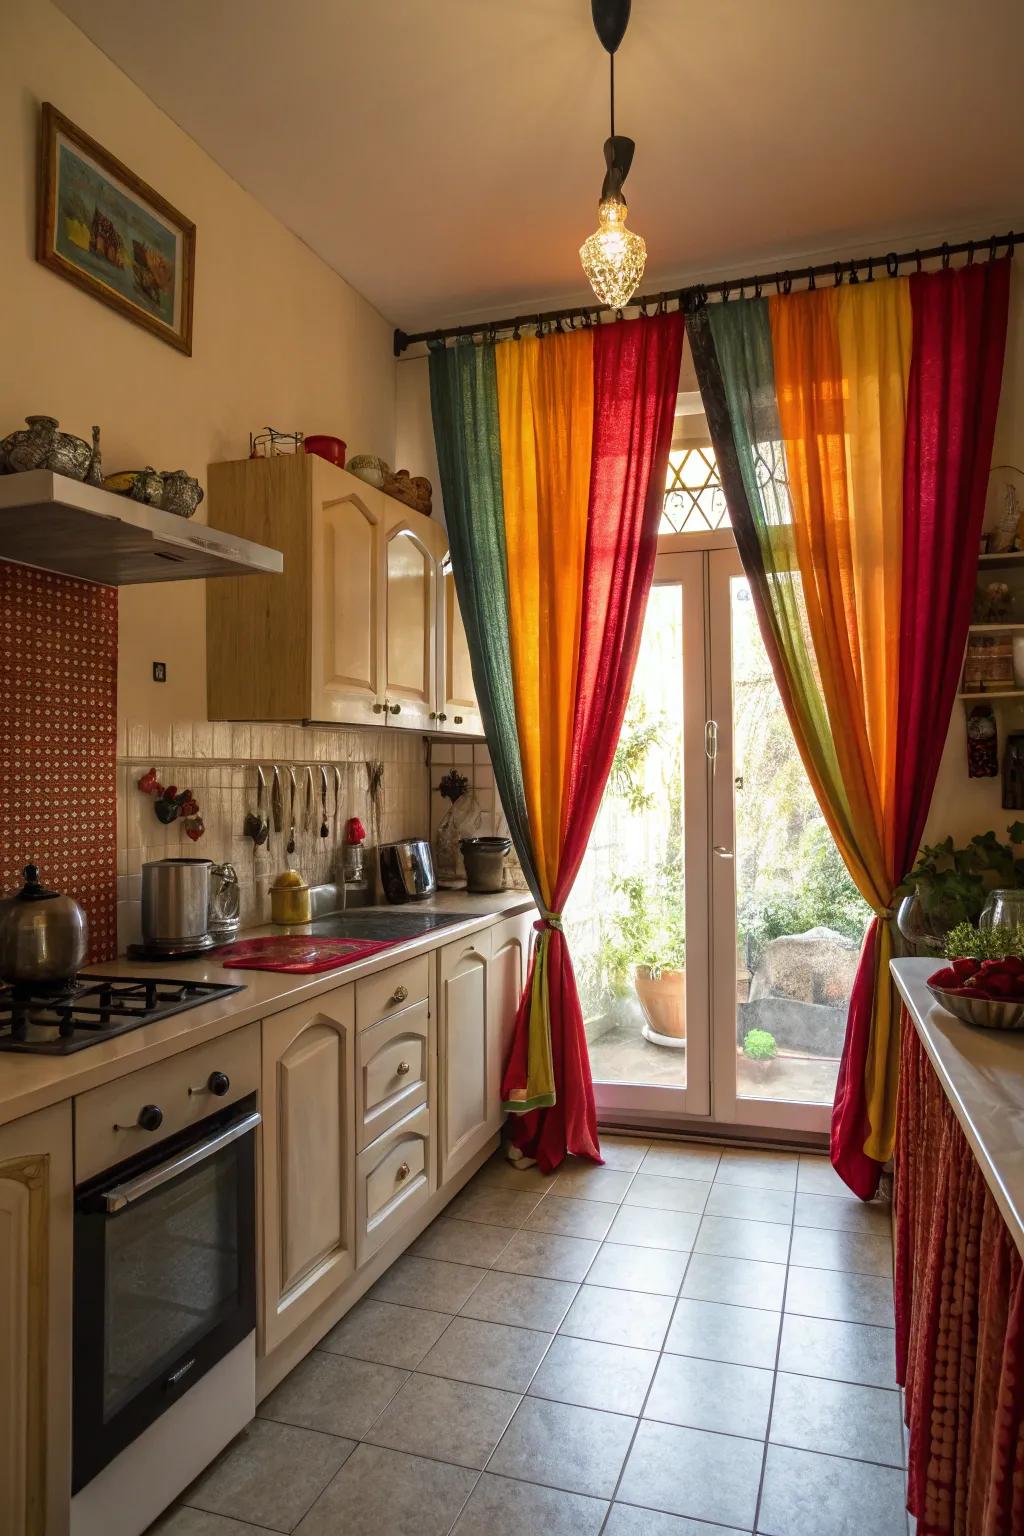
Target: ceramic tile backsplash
{"type": "Point", "coordinates": [58, 686]}
{"type": "Point", "coordinates": [473, 761]}
{"type": "Point", "coordinates": [218, 763]}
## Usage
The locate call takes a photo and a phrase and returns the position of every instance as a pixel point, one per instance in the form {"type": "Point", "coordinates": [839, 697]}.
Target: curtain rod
{"type": "Point", "coordinates": [698, 293]}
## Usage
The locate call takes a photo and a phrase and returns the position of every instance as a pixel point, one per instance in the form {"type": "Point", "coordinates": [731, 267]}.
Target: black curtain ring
{"type": "Point", "coordinates": [1011, 243]}
{"type": "Point", "coordinates": [970, 253]}
{"type": "Point", "coordinates": [854, 275]}
{"type": "Point", "coordinates": [993, 246]}
{"type": "Point", "coordinates": [757, 289]}
{"type": "Point", "coordinates": [871, 269]}
{"type": "Point", "coordinates": [892, 264]}
{"type": "Point", "coordinates": [917, 258]}
{"type": "Point", "coordinates": [516, 333]}
{"type": "Point", "coordinates": [945, 256]}
{"type": "Point", "coordinates": [618, 313]}
{"type": "Point", "coordinates": [837, 275]}
{"type": "Point", "coordinates": [812, 281]}
{"type": "Point", "coordinates": [725, 293]}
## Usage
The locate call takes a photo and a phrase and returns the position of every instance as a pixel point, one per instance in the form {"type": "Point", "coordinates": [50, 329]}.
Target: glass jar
{"type": "Point", "coordinates": [1004, 909]}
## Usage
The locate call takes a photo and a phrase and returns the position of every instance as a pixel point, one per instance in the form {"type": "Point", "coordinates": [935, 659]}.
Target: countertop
{"type": "Point", "coordinates": [982, 1075]}
{"type": "Point", "coordinates": [29, 1083]}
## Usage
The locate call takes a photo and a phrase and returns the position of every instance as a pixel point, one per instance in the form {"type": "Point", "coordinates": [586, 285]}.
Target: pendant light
{"type": "Point", "coordinates": [613, 256]}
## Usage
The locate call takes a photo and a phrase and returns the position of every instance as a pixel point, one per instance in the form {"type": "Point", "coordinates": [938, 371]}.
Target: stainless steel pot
{"type": "Point", "coordinates": [407, 870]}
{"type": "Point", "coordinates": [43, 935]}
{"type": "Point", "coordinates": [176, 903]}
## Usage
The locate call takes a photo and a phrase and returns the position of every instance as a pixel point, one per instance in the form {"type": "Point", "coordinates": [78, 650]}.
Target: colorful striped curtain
{"type": "Point", "coordinates": [553, 452]}
{"type": "Point", "coordinates": [853, 429]}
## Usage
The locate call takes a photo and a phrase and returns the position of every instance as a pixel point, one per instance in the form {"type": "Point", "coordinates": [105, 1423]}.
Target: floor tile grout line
{"type": "Point", "coordinates": [771, 1401]}
{"type": "Point", "coordinates": [647, 1394]}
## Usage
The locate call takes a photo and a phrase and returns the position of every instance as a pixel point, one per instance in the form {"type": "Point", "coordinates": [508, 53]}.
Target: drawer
{"type": "Point", "coordinates": [387, 991]}
{"type": "Point", "coordinates": [177, 1086]}
{"type": "Point", "coordinates": [393, 1179]}
{"type": "Point", "coordinates": [392, 1061]}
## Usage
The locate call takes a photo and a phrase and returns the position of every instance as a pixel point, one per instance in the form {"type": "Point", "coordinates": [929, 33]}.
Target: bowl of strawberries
{"type": "Point", "coordinates": [989, 993]}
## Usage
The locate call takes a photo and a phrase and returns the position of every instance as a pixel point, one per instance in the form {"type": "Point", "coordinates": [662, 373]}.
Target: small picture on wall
{"type": "Point", "coordinates": [103, 228]}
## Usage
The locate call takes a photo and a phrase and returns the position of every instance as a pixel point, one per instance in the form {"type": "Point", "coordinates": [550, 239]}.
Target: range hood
{"type": "Point", "coordinates": [81, 530]}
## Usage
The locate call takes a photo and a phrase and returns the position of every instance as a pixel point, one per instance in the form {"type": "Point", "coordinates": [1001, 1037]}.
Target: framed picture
{"type": "Point", "coordinates": [103, 228]}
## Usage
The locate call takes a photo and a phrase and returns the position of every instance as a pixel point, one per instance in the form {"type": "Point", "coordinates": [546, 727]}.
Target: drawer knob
{"type": "Point", "coordinates": [404, 1171]}
{"type": "Point", "coordinates": [218, 1083]}
{"type": "Point", "coordinates": [458, 719]}
{"type": "Point", "coordinates": [400, 994]}
{"type": "Point", "coordinates": [402, 1069]}
{"type": "Point", "coordinates": [149, 1118]}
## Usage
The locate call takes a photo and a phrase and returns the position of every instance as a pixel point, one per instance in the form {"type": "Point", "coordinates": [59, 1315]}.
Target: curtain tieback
{"type": "Point", "coordinates": [549, 920]}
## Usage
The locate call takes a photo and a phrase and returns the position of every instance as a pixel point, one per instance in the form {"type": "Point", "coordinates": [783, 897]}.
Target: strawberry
{"type": "Point", "coordinates": [946, 978]}
{"type": "Point", "coordinates": [964, 967]}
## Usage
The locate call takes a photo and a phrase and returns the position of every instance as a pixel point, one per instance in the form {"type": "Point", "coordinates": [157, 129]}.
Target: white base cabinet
{"type": "Point", "coordinates": [308, 1160]}
{"type": "Point", "coordinates": [36, 1198]}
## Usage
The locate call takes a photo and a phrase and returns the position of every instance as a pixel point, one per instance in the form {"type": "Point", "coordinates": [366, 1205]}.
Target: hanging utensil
{"type": "Point", "coordinates": [277, 801]}
{"type": "Point", "coordinates": [324, 828]}
{"type": "Point", "coordinates": [309, 819]}
{"type": "Point", "coordinates": [256, 825]}
{"type": "Point", "coordinates": [337, 796]}
{"type": "Point", "coordinates": [290, 845]}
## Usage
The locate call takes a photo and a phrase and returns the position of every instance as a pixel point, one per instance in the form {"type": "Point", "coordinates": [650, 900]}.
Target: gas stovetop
{"type": "Point", "coordinates": [93, 1009]}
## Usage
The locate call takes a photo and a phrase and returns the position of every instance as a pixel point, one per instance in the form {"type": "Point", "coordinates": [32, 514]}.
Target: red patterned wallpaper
{"type": "Point", "coordinates": [58, 740]}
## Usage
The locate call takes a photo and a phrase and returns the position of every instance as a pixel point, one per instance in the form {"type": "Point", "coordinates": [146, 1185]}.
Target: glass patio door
{"type": "Point", "coordinates": [637, 919]}
{"type": "Point", "coordinates": [787, 922]}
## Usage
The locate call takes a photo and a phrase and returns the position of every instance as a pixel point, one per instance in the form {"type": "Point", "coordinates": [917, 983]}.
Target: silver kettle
{"type": "Point", "coordinates": [43, 935]}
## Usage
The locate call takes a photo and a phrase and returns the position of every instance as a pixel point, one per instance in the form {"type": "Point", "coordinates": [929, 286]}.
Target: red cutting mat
{"type": "Point", "coordinates": [299, 954]}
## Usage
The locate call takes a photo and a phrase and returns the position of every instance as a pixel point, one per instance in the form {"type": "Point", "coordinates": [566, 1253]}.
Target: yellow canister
{"type": "Point", "coordinates": [289, 898]}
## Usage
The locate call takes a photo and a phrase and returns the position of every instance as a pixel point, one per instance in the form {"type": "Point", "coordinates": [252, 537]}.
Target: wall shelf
{"type": "Point", "coordinates": [996, 629]}
{"type": "Point", "coordinates": [995, 693]}
{"type": "Point", "coordinates": [994, 562]}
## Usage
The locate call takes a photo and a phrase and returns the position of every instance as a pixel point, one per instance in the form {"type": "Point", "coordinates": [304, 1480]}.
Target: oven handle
{"type": "Point", "coordinates": [125, 1194]}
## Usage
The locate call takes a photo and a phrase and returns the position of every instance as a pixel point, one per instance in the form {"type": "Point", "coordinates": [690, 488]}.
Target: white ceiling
{"type": "Point", "coordinates": [445, 155]}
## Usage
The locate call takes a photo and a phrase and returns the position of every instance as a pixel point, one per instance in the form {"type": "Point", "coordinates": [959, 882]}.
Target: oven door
{"type": "Point", "coordinates": [165, 1279]}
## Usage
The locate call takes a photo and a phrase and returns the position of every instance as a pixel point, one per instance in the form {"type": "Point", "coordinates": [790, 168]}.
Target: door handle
{"type": "Point", "coordinates": [722, 853]}
{"type": "Point", "coordinates": [711, 739]}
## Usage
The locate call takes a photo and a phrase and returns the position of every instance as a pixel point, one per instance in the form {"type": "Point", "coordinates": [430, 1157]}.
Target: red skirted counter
{"type": "Point", "coordinates": [959, 1283]}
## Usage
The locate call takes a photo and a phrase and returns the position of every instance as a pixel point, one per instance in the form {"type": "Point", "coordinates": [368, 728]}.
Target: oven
{"type": "Point", "coordinates": [165, 1279]}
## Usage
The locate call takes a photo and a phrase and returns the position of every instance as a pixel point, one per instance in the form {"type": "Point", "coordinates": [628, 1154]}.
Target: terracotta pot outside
{"type": "Point", "coordinates": [663, 1001]}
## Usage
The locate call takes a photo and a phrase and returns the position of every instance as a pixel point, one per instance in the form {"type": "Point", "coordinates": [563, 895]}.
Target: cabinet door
{"type": "Point", "coordinates": [308, 1162]}
{"type": "Point", "coordinates": [510, 957]}
{"type": "Point", "coordinates": [347, 608]}
{"type": "Point", "coordinates": [457, 708]}
{"type": "Point", "coordinates": [410, 606]}
{"type": "Point", "coordinates": [35, 1323]}
{"type": "Point", "coordinates": [466, 1052]}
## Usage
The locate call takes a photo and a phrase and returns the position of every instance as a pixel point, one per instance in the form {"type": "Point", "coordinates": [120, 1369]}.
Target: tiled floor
{"type": "Point", "coordinates": [681, 1343]}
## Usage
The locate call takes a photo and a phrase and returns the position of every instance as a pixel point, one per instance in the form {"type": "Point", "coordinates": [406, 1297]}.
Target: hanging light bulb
{"type": "Point", "coordinates": [613, 257]}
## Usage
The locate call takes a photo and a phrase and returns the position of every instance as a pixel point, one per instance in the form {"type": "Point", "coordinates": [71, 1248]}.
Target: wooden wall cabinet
{"type": "Point", "coordinates": [308, 1159]}
{"type": "Point", "coordinates": [36, 1212]}
{"type": "Point", "coordinates": [361, 628]}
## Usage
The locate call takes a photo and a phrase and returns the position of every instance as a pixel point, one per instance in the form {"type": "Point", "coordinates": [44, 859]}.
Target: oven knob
{"type": "Point", "coordinates": [151, 1117]}
{"type": "Point", "coordinates": [218, 1083]}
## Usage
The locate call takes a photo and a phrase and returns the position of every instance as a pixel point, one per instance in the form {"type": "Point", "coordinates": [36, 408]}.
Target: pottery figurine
{"type": "Point", "coordinates": [182, 493]}
{"type": "Point", "coordinates": [41, 445]}
{"type": "Point", "coordinates": [143, 485]}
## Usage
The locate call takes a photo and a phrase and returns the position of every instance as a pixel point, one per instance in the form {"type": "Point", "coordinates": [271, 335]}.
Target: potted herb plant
{"type": "Point", "coordinates": [948, 885]}
{"type": "Point", "coordinates": [761, 1051]}
{"type": "Point", "coordinates": [647, 948]}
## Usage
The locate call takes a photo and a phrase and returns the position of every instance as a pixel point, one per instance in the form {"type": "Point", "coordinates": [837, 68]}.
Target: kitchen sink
{"type": "Point", "coordinates": [382, 923]}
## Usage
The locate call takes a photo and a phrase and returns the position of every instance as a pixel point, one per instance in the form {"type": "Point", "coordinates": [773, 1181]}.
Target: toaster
{"type": "Point", "coordinates": [407, 870]}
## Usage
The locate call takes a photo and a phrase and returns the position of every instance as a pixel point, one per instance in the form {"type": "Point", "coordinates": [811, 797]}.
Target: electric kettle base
{"type": "Point", "coordinates": [184, 949]}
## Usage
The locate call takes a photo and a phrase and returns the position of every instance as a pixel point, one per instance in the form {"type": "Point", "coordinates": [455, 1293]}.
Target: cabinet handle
{"type": "Point", "coordinates": [150, 1118]}
{"type": "Point", "coordinates": [402, 1069]}
{"type": "Point", "coordinates": [442, 717]}
{"type": "Point", "coordinates": [400, 994]}
{"type": "Point", "coordinates": [433, 714]}
{"type": "Point", "coordinates": [458, 719]}
{"type": "Point", "coordinates": [396, 709]}
{"type": "Point", "coordinates": [404, 1171]}
{"type": "Point", "coordinates": [379, 709]}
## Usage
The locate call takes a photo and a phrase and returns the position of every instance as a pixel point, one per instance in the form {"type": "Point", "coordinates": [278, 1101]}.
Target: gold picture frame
{"type": "Point", "coordinates": [107, 231]}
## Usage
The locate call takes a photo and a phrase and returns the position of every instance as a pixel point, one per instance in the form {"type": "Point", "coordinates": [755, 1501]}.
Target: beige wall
{"type": "Point", "coordinates": [278, 336]}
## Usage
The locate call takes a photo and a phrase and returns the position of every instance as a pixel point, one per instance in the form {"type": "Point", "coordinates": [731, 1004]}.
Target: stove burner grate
{"type": "Point", "coordinates": [91, 1009]}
